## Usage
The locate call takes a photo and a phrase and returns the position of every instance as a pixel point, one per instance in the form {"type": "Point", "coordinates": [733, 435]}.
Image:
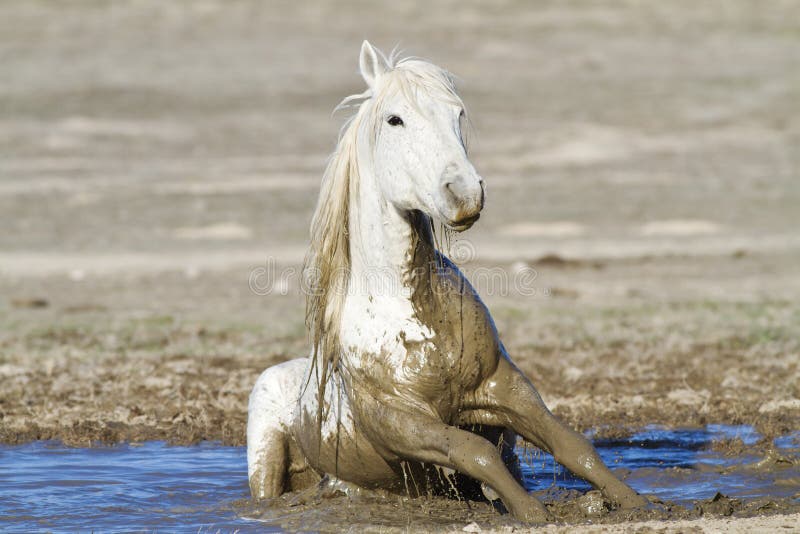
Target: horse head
{"type": "Point", "coordinates": [419, 157]}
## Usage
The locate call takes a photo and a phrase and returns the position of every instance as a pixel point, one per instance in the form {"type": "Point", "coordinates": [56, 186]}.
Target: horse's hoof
{"type": "Point", "coordinates": [532, 513]}
{"type": "Point", "coordinates": [631, 500]}
{"type": "Point", "coordinates": [653, 506]}
{"type": "Point", "coordinates": [533, 516]}
{"type": "Point", "coordinates": [644, 507]}
{"type": "Point", "coordinates": [593, 504]}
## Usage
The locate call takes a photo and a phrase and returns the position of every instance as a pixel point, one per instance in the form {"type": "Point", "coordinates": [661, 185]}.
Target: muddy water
{"type": "Point", "coordinates": [149, 486]}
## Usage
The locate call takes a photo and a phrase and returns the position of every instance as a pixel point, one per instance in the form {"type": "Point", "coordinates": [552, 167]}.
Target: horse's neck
{"type": "Point", "coordinates": [386, 245]}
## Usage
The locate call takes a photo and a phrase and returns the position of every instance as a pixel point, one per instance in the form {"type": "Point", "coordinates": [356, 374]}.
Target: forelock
{"type": "Point", "coordinates": [415, 79]}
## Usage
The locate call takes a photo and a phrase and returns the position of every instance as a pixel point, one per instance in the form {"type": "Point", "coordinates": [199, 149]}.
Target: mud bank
{"type": "Point", "coordinates": [439, 515]}
{"type": "Point", "coordinates": [104, 362]}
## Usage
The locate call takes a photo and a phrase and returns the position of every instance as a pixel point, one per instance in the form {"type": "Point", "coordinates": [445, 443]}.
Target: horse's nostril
{"type": "Point", "coordinates": [460, 190]}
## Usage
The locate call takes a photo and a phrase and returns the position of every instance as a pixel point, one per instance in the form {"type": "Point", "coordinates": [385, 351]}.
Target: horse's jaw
{"type": "Point", "coordinates": [463, 224]}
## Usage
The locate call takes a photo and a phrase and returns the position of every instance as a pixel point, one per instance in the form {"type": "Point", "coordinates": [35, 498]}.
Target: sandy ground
{"type": "Point", "coordinates": [159, 166]}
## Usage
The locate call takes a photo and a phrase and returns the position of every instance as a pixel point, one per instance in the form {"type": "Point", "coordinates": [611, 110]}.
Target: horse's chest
{"type": "Point", "coordinates": [433, 359]}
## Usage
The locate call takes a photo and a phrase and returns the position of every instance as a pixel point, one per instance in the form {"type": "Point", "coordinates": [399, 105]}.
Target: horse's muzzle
{"type": "Point", "coordinates": [464, 196]}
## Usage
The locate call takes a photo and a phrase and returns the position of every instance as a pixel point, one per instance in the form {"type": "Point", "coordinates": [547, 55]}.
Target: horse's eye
{"type": "Point", "coordinates": [462, 114]}
{"type": "Point", "coordinates": [394, 120]}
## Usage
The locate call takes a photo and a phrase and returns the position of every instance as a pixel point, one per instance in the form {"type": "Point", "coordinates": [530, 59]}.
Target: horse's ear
{"type": "Point", "coordinates": [372, 64]}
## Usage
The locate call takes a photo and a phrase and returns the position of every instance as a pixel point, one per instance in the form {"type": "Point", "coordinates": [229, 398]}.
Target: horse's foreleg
{"type": "Point", "coordinates": [512, 397]}
{"type": "Point", "coordinates": [422, 439]}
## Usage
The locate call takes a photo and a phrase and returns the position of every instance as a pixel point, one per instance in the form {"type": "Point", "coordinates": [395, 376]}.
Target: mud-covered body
{"type": "Point", "coordinates": [394, 357]}
{"type": "Point", "coordinates": [407, 375]}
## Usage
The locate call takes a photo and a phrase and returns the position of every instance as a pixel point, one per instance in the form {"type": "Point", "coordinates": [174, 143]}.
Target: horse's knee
{"type": "Point", "coordinates": [476, 454]}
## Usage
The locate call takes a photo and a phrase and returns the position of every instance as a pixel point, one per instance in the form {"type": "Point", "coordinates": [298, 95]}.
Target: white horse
{"type": "Point", "coordinates": [406, 369]}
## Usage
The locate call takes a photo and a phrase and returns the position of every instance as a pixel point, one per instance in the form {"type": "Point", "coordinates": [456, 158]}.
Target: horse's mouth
{"type": "Point", "coordinates": [463, 224]}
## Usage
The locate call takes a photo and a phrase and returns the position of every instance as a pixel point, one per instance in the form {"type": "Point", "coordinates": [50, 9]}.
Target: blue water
{"type": "Point", "coordinates": [140, 487]}
{"type": "Point", "coordinates": [46, 486]}
{"type": "Point", "coordinates": [674, 465]}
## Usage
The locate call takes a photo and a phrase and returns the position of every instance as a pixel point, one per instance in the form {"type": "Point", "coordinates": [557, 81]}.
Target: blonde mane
{"type": "Point", "coordinates": [327, 263]}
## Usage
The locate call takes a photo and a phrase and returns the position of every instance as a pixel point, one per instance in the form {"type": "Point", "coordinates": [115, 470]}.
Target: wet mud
{"type": "Point", "coordinates": [335, 512]}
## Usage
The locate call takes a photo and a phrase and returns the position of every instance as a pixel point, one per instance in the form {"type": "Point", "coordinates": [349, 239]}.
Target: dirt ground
{"type": "Point", "coordinates": [159, 165]}
{"type": "Point", "coordinates": [172, 357]}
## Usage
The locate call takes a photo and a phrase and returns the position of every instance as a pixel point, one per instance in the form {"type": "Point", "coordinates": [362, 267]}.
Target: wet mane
{"type": "Point", "coordinates": [327, 263]}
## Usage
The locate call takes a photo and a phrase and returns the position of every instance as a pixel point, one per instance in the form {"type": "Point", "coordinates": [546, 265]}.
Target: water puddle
{"type": "Point", "coordinates": [153, 486]}
{"type": "Point", "coordinates": [681, 466]}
